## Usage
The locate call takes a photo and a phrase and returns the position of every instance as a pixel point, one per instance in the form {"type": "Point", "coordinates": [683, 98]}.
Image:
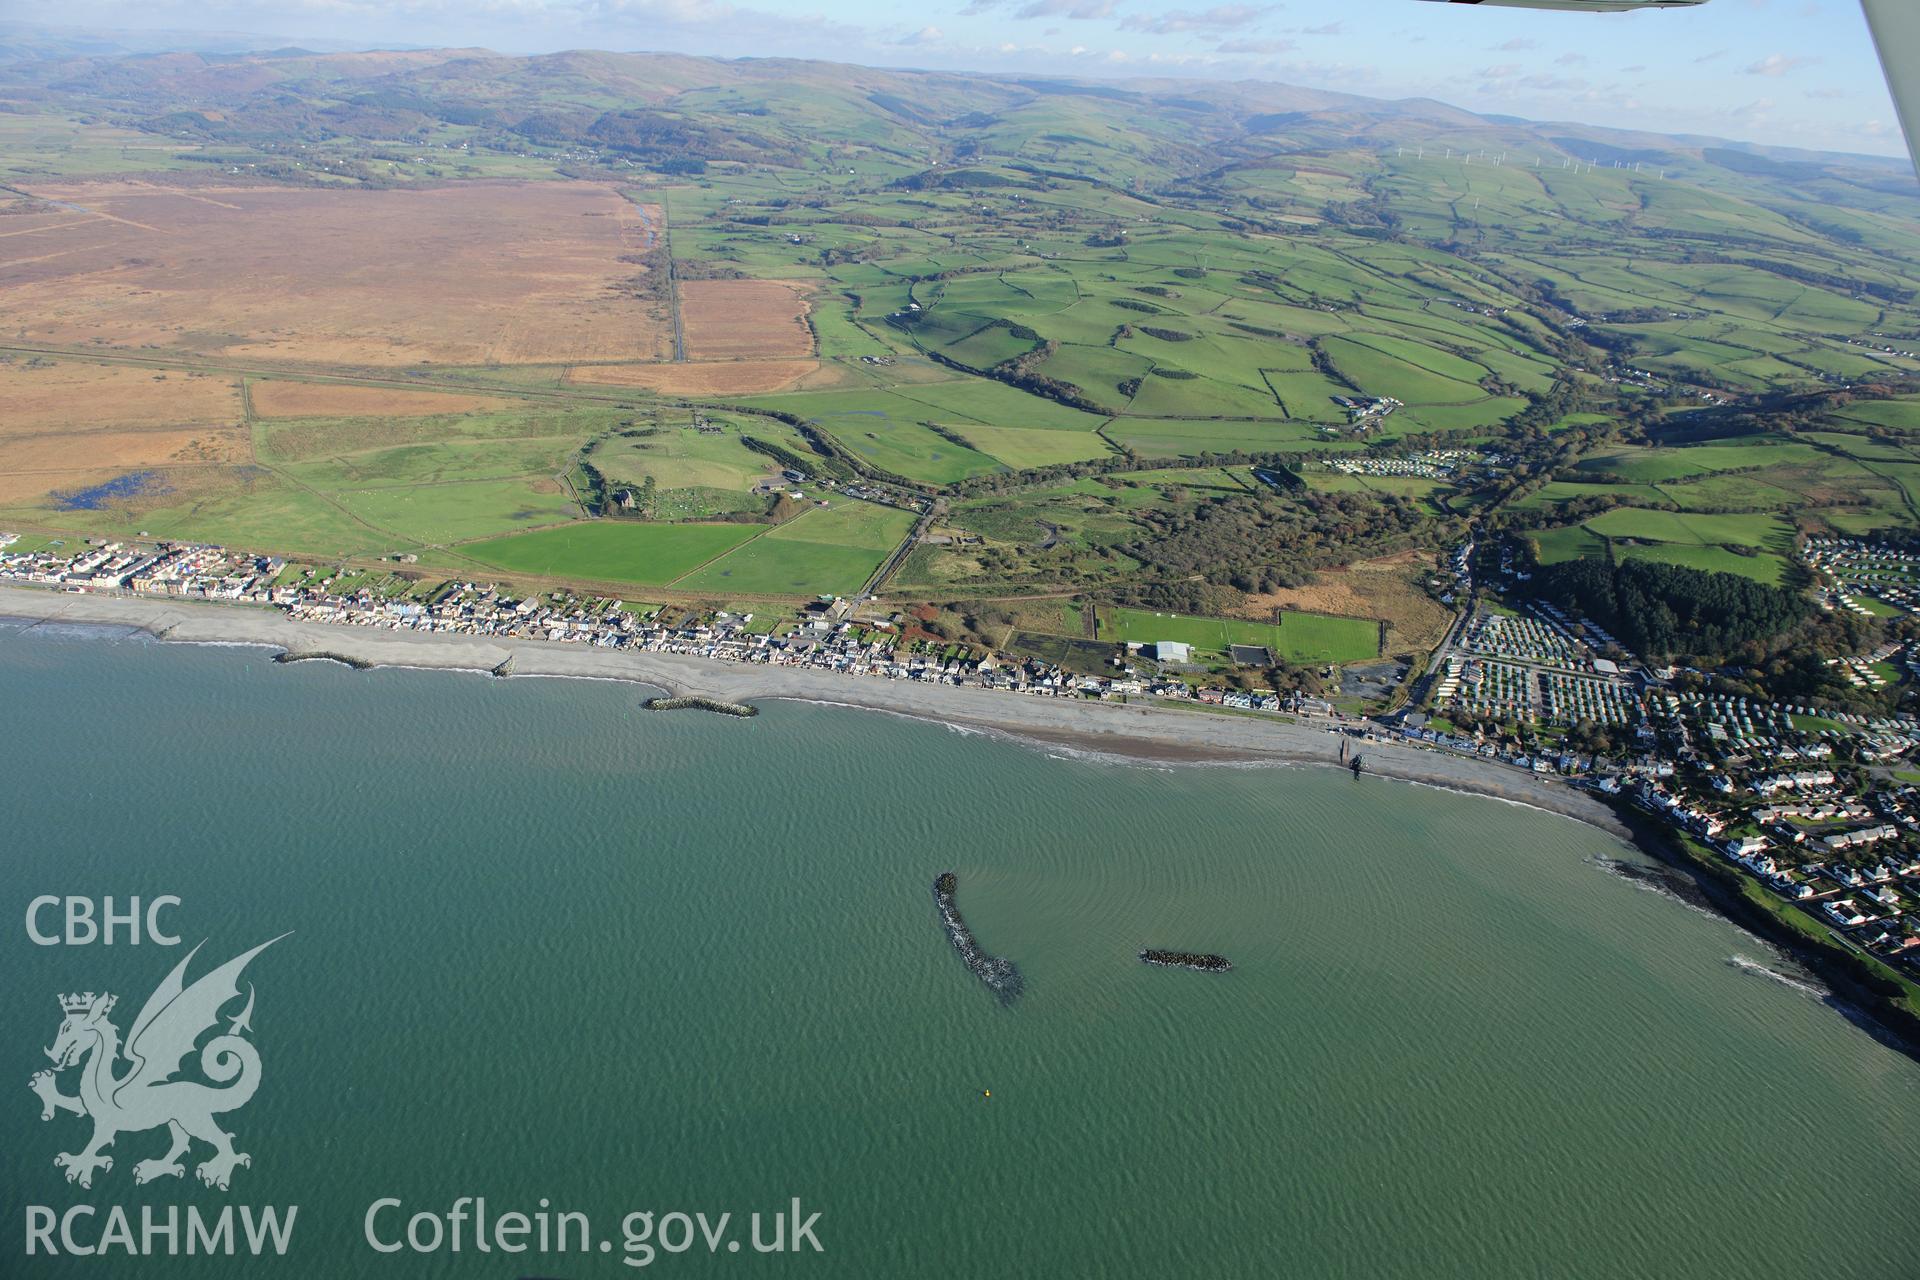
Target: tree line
{"type": "Point", "coordinates": [1665, 610]}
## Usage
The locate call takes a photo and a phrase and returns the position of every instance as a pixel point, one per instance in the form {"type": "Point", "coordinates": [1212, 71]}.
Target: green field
{"type": "Point", "coordinates": [1022, 447]}
{"type": "Point", "coordinates": [1298, 637]}
{"type": "Point", "coordinates": [251, 508]}
{"type": "Point", "coordinates": [1038, 307]}
{"type": "Point", "coordinates": [441, 513]}
{"type": "Point", "coordinates": [443, 462]}
{"type": "Point", "coordinates": [612, 550]}
{"type": "Point", "coordinates": [1381, 368]}
{"type": "Point", "coordinates": [1655, 466]}
{"type": "Point", "coordinates": [1555, 546]}
{"type": "Point", "coordinates": [1306, 395]}
{"type": "Point", "coordinates": [1901, 415]}
{"type": "Point", "coordinates": [1761, 568]}
{"type": "Point", "coordinates": [825, 551]}
{"type": "Point", "coordinates": [1755, 531]}
{"type": "Point", "coordinates": [683, 457]}
{"type": "Point", "coordinates": [1168, 438]}
{"type": "Point", "coordinates": [907, 448]}
{"type": "Point", "coordinates": [1560, 492]}
{"type": "Point", "coordinates": [34, 146]}
{"type": "Point", "coordinates": [956, 401]}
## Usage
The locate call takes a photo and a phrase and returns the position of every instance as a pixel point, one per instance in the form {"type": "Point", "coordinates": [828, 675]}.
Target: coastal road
{"type": "Point", "coordinates": [1162, 731]}
{"type": "Point", "coordinates": [900, 553]}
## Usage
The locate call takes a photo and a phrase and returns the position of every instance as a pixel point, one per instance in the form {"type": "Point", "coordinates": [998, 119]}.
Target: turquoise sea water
{"type": "Point", "coordinates": [547, 945]}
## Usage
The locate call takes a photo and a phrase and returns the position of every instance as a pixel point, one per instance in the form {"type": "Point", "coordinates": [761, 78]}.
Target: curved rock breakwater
{"type": "Point", "coordinates": [1002, 976]}
{"type": "Point", "coordinates": [345, 660]}
{"type": "Point", "coordinates": [1186, 960]}
{"type": "Point", "coordinates": [714, 705]}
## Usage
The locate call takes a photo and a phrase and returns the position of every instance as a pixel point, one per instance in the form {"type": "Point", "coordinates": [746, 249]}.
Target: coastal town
{"type": "Point", "coordinates": [1175, 641]}
{"type": "Point", "coordinates": [1817, 808]}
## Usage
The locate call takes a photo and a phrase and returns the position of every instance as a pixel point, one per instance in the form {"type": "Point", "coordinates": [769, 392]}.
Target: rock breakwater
{"type": "Point", "coordinates": [1001, 975]}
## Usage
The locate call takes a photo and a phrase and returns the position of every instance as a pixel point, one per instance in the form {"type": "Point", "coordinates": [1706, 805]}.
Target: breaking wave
{"type": "Point", "coordinates": [1747, 964]}
{"type": "Point", "coordinates": [1658, 880]}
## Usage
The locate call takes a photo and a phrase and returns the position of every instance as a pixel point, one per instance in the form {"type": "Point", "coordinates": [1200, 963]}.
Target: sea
{"type": "Point", "coordinates": [537, 946]}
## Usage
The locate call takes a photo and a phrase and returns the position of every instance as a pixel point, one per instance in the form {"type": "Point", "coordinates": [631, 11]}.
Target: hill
{"type": "Point", "coordinates": [1155, 343]}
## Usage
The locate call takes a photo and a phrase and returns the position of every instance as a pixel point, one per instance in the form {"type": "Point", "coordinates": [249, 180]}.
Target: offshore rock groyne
{"type": "Point", "coordinates": [1002, 976]}
{"type": "Point", "coordinates": [1195, 960]}
{"type": "Point", "coordinates": [1169, 733]}
{"type": "Point", "coordinates": [345, 660]}
{"type": "Point", "coordinates": [715, 705]}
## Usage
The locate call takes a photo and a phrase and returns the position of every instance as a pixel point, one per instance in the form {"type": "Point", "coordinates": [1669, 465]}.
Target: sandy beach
{"type": "Point", "coordinates": [1160, 732]}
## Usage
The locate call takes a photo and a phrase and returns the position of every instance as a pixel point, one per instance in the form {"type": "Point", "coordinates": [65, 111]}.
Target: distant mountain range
{"type": "Point", "coordinates": [21, 42]}
{"type": "Point", "coordinates": [1141, 132]}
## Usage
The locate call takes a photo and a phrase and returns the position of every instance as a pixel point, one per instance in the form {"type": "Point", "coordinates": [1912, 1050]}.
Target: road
{"type": "Point", "coordinates": [900, 553]}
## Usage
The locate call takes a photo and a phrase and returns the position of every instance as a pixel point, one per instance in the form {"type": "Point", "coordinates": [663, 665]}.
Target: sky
{"type": "Point", "coordinates": [1799, 73]}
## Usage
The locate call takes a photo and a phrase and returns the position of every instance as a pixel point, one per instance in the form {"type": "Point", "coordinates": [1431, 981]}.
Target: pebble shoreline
{"type": "Point", "coordinates": [1150, 733]}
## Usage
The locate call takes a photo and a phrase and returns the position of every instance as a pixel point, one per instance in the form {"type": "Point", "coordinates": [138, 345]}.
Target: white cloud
{"type": "Point", "coordinates": [1222, 17]}
{"type": "Point", "coordinates": [1078, 10]}
{"type": "Point", "coordinates": [1255, 46]}
{"type": "Point", "coordinates": [1779, 64]}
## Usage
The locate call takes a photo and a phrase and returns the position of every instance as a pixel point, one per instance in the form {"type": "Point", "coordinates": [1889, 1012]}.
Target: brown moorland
{"type": "Point", "coordinates": [726, 319]}
{"type": "Point", "coordinates": [30, 217]}
{"type": "Point", "coordinates": [42, 463]}
{"type": "Point", "coordinates": [24, 488]}
{"type": "Point", "coordinates": [40, 395]}
{"type": "Point", "coordinates": [469, 273]}
{"type": "Point", "coordinates": [63, 421]}
{"type": "Point", "coordinates": [711, 378]}
{"type": "Point", "coordinates": [274, 399]}
{"type": "Point", "coordinates": [1386, 588]}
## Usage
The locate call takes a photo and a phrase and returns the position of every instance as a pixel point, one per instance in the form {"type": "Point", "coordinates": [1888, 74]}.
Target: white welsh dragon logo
{"type": "Point", "coordinates": [147, 1095]}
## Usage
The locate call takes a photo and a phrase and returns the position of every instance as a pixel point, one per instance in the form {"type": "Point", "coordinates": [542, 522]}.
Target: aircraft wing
{"type": "Point", "coordinates": [1896, 33]}
{"type": "Point", "coordinates": [1584, 6]}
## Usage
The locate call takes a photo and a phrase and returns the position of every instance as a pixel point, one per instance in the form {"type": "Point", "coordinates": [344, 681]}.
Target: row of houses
{"type": "Point", "coordinates": [189, 570]}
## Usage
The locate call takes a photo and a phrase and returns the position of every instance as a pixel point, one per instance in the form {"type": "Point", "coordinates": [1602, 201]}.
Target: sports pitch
{"type": "Point", "coordinates": [1297, 637]}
